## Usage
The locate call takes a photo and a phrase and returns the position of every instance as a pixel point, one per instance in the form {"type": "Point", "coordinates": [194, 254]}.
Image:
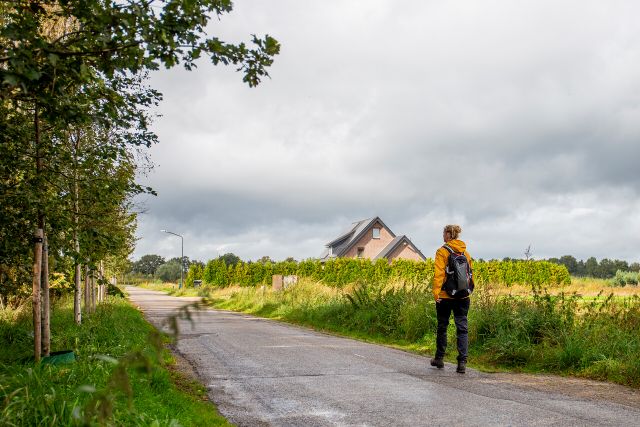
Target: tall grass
{"type": "Point", "coordinates": [85, 392]}
{"type": "Point", "coordinates": [558, 333]}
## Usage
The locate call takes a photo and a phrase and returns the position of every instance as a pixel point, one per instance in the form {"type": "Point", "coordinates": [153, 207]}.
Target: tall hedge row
{"type": "Point", "coordinates": [342, 271]}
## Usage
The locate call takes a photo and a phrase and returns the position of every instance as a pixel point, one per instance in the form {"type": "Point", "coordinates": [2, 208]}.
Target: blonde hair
{"type": "Point", "coordinates": [453, 230]}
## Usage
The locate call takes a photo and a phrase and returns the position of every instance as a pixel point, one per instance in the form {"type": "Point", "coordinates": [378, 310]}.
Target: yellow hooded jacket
{"type": "Point", "coordinates": [442, 257]}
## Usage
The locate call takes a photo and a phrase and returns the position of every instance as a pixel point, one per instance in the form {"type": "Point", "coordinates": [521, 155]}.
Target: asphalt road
{"type": "Point", "coordinates": [261, 372]}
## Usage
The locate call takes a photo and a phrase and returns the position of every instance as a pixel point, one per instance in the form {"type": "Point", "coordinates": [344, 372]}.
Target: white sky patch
{"type": "Point", "coordinates": [518, 120]}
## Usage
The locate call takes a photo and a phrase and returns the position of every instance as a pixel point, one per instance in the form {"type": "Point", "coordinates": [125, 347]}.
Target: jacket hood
{"type": "Point", "coordinates": [457, 245]}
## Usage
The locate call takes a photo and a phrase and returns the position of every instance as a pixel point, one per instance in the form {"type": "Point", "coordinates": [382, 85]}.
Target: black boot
{"type": "Point", "coordinates": [437, 362]}
{"type": "Point", "coordinates": [462, 367]}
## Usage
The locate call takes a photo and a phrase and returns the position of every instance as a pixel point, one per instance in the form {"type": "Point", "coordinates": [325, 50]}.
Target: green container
{"type": "Point", "coordinates": [59, 358]}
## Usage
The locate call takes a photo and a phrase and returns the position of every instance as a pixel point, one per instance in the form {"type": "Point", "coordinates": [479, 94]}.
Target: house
{"type": "Point", "coordinates": [371, 239]}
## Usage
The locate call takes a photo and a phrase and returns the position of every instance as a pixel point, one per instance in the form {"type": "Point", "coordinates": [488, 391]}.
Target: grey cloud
{"type": "Point", "coordinates": [519, 119]}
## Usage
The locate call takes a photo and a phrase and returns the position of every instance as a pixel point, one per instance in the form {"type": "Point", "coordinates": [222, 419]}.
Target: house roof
{"type": "Point", "coordinates": [351, 236]}
{"type": "Point", "coordinates": [394, 244]}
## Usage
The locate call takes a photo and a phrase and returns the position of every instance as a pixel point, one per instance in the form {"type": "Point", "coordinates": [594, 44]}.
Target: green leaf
{"type": "Point", "coordinates": [106, 358]}
{"type": "Point", "coordinates": [53, 58]}
{"type": "Point", "coordinates": [87, 388]}
{"type": "Point", "coordinates": [33, 74]}
{"type": "Point", "coordinates": [10, 79]}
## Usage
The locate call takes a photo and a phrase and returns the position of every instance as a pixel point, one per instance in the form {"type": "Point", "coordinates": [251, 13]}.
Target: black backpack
{"type": "Point", "coordinates": [459, 281]}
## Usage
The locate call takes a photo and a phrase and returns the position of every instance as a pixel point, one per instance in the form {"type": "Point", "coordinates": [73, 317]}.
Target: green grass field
{"type": "Point", "coordinates": [116, 339]}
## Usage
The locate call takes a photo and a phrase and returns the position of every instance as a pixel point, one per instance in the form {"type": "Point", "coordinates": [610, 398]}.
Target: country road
{"type": "Point", "coordinates": [265, 373]}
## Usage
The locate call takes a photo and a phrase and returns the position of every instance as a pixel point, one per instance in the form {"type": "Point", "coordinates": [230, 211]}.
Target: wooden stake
{"type": "Point", "coordinates": [46, 311]}
{"type": "Point", "coordinates": [37, 276]}
{"type": "Point", "coordinates": [77, 295]}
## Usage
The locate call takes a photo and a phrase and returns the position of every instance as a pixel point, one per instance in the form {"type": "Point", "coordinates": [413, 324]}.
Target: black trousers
{"type": "Point", "coordinates": [460, 308]}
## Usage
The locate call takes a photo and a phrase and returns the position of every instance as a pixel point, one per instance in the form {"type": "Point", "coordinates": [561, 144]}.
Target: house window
{"type": "Point", "coordinates": [376, 233]}
{"type": "Point", "coordinates": [360, 252]}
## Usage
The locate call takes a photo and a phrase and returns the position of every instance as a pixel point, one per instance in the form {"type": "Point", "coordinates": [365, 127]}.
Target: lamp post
{"type": "Point", "coordinates": [182, 254]}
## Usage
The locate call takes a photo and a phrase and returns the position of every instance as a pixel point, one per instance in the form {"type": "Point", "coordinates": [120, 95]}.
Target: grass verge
{"type": "Point", "coordinates": [117, 379]}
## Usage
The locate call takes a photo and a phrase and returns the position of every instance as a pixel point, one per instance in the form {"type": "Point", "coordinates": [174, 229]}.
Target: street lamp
{"type": "Point", "coordinates": [182, 252]}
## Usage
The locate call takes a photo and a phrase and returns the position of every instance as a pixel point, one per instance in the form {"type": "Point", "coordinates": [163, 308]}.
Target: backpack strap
{"type": "Point", "coordinates": [451, 252]}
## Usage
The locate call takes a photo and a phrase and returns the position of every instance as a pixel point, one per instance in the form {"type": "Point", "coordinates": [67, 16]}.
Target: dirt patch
{"type": "Point", "coordinates": [184, 375]}
{"type": "Point", "coordinates": [574, 387]}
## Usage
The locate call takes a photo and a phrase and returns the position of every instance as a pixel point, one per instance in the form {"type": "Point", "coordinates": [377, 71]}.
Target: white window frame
{"type": "Point", "coordinates": [373, 232]}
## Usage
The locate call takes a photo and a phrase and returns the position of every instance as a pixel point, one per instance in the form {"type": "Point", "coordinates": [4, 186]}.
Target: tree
{"type": "Point", "coordinates": [196, 272]}
{"type": "Point", "coordinates": [169, 271]}
{"type": "Point", "coordinates": [570, 262]}
{"type": "Point", "coordinates": [591, 267]}
{"type": "Point", "coordinates": [186, 263]}
{"type": "Point", "coordinates": [148, 264]}
{"type": "Point", "coordinates": [79, 62]}
{"type": "Point", "coordinates": [230, 259]}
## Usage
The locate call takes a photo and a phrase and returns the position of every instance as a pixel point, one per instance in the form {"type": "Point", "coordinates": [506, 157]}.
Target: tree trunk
{"type": "Point", "coordinates": [87, 290]}
{"type": "Point", "coordinates": [77, 294]}
{"type": "Point", "coordinates": [93, 291]}
{"type": "Point", "coordinates": [101, 286]}
{"type": "Point", "coordinates": [37, 276]}
{"type": "Point", "coordinates": [46, 311]}
{"type": "Point", "coordinates": [77, 312]}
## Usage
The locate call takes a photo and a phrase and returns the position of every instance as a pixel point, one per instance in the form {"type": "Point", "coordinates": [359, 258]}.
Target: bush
{"type": "Point", "coordinates": [343, 271]}
{"type": "Point", "coordinates": [196, 271]}
{"type": "Point", "coordinates": [623, 278]}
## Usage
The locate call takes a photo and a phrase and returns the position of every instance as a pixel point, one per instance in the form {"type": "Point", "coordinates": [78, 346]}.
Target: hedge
{"type": "Point", "coordinates": [342, 271]}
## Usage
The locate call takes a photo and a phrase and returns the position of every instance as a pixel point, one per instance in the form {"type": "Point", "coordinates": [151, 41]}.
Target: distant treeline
{"type": "Point", "coordinates": [605, 269]}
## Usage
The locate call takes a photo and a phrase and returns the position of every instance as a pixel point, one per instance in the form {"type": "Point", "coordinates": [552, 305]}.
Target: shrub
{"type": "Point", "coordinates": [623, 278]}
{"type": "Point", "coordinates": [195, 272]}
{"type": "Point", "coordinates": [343, 271]}
{"type": "Point", "coordinates": [215, 273]}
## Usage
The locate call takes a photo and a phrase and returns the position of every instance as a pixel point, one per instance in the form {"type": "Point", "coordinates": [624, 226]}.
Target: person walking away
{"type": "Point", "coordinates": [452, 287]}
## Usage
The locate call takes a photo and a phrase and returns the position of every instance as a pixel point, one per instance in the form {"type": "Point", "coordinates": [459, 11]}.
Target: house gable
{"type": "Point", "coordinates": [371, 239]}
{"type": "Point", "coordinates": [401, 248]}
{"type": "Point", "coordinates": [365, 245]}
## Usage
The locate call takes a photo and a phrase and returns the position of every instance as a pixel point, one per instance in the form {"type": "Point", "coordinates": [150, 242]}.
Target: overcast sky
{"type": "Point", "coordinates": [518, 120]}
